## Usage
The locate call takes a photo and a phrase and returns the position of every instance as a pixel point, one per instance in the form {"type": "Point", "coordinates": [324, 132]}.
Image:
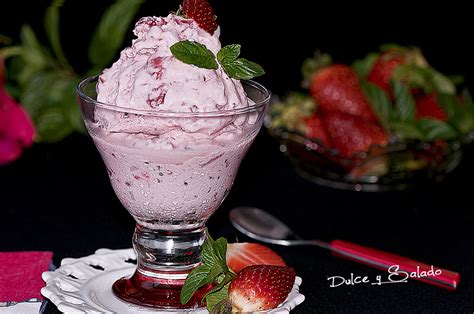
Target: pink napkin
{"type": "Point", "coordinates": [20, 274]}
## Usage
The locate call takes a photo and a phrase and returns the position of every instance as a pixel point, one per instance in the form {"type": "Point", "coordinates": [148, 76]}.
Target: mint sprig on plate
{"type": "Point", "coordinates": [214, 270]}
{"type": "Point", "coordinates": [197, 54]}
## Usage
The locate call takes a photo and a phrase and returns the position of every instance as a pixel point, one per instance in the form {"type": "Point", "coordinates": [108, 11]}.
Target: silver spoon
{"type": "Point", "coordinates": [260, 225]}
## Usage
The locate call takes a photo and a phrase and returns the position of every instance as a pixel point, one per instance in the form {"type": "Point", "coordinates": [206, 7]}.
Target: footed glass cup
{"type": "Point", "coordinates": [171, 171]}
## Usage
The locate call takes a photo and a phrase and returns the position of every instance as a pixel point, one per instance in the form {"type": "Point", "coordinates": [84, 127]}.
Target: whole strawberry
{"type": "Point", "coordinates": [316, 130]}
{"type": "Point", "coordinates": [428, 107]}
{"type": "Point", "coordinates": [260, 287]}
{"type": "Point", "coordinates": [384, 67]}
{"type": "Point", "coordinates": [202, 12]}
{"type": "Point", "coordinates": [337, 89]}
{"type": "Point", "coordinates": [351, 135]}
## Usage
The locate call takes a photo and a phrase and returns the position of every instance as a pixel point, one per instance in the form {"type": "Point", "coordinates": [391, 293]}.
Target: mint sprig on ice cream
{"type": "Point", "coordinates": [197, 54]}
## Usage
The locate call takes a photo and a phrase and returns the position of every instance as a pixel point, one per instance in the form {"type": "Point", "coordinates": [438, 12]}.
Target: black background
{"type": "Point", "coordinates": [58, 198]}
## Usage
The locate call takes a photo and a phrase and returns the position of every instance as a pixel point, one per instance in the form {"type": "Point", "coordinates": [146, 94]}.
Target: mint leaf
{"type": "Point", "coordinates": [214, 269]}
{"type": "Point", "coordinates": [220, 250]}
{"type": "Point", "coordinates": [110, 32]}
{"type": "Point", "coordinates": [214, 298]}
{"type": "Point", "coordinates": [436, 129]}
{"type": "Point", "coordinates": [363, 66]}
{"type": "Point", "coordinates": [195, 280]}
{"type": "Point", "coordinates": [379, 101]}
{"type": "Point", "coordinates": [405, 107]}
{"type": "Point", "coordinates": [191, 52]}
{"type": "Point", "coordinates": [243, 69]}
{"type": "Point", "coordinates": [228, 54]}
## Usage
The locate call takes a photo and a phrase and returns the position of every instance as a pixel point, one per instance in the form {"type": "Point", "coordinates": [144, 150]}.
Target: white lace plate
{"type": "Point", "coordinates": [83, 285]}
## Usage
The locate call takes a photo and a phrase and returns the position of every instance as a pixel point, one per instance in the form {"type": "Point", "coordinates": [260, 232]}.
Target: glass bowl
{"type": "Point", "coordinates": [398, 166]}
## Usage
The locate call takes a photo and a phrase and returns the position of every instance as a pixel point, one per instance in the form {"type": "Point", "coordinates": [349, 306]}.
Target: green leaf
{"type": "Point", "coordinates": [35, 93]}
{"type": "Point", "coordinates": [51, 23]}
{"type": "Point", "coordinates": [11, 51]}
{"type": "Point", "coordinates": [363, 66]}
{"type": "Point", "coordinates": [55, 109]}
{"type": "Point", "coordinates": [414, 76]}
{"type": "Point", "coordinates": [460, 114]}
{"type": "Point", "coordinates": [442, 84]}
{"type": "Point", "coordinates": [228, 54]}
{"type": "Point", "coordinates": [214, 269]}
{"type": "Point", "coordinates": [35, 56]}
{"type": "Point", "coordinates": [436, 129]}
{"type": "Point", "coordinates": [243, 69]}
{"type": "Point", "coordinates": [110, 32]}
{"type": "Point", "coordinates": [424, 77]}
{"type": "Point", "coordinates": [213, 298]}
{"type": "Point", "coordinates": [380, 103]}
{"type": "Point", "coordinates": [220, 250]}
{"type": "Point", "coordinates": [407, 131]}
{"type": "Point", "coordinates": [28, 38]}
{"type": "Point", "coordinates": [196, 279]}
{"type": "Point", "coordinates": [312, 65]}
{"type": "Point", "coordinates": [52, 125]}
{"type": "Point", "coordinates": [214, 256]}
{"type": "Point", "coordinates": [191, 52]}
{"type": "Point", "coordinates": [405, 107]}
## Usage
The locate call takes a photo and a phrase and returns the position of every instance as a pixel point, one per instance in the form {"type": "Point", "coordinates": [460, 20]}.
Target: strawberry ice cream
{"type": "Point", "coordinates": [172, 134]}
{"type": "Point", "coordinates": [148, 77]}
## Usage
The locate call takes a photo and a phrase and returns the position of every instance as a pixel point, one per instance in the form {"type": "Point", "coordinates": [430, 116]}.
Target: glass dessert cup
{"type": "Point", "coordinates": [171, 171]}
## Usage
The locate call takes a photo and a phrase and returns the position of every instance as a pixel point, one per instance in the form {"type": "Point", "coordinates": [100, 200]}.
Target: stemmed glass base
{"type": "Point", "coordinates": [164, 259]}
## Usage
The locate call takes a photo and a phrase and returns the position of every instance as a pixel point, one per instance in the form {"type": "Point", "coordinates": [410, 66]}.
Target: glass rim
{"type": "Point", "coordinates": [165, 113]}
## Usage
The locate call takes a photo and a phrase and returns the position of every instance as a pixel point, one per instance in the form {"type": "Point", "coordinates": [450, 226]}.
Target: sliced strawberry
{"type": "Point", "coordinates": [241, 255]}
{"type": "Point", "coordinates": [201, 11]}
{"type": "Point", "coordinates": [428, 107]}
{"type": "Point", "coordinates": [260, 287]}
{"type": "Point", "coordinates": [337, 88]}
{"type": "Point", "coordinates": [383, 68]}
{"type": "Point", "coordinates": [350, 134]}
{"type": "Point", "coordinates": [316, 130]}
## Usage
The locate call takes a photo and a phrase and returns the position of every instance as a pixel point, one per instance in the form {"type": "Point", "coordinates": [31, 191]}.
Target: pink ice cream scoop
{"type": "Point", "coordinates": [148, 77]}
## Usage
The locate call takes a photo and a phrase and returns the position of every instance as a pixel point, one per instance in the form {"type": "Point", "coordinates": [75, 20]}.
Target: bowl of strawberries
{"type": "Point", "coordinates": [389, 121]}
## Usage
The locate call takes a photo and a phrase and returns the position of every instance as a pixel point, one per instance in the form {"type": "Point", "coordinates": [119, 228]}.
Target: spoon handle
{"type": "Point", "coordinates": [405, 267]}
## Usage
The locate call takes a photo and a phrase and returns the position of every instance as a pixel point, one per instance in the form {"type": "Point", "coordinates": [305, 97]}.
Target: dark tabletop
{"type": "Point", "coordinates": [58, 198]}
